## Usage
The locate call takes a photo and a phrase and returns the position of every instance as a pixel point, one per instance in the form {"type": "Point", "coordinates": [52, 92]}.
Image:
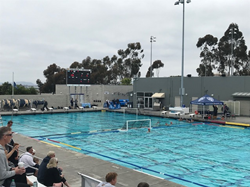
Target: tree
{"type": "Point", "coordinates": [232, 51]}
{"type": "Point", "coordinates": [129, 61]}
{"type": "Point", "coordinates": [156, 65]}
{"type": "Point", "coordinates": [126, 81]}
{"type": "Point", "coordinates": [208, 45]}
{"type": "Point", "coordinates": [54, 75]}
{"type": "Point", "coordinates": [6, 89]}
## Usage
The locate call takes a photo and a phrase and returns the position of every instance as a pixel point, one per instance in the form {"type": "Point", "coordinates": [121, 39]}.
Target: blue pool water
{"type": "Point", "coordinates": [192, 154]}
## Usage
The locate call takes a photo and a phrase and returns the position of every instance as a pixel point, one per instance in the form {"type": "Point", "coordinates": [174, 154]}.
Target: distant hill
{"type": "Point", "coordinates": [26, 83]}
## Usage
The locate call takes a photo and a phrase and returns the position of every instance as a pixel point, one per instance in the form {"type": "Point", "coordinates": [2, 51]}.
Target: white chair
{"type": "Point", "coordinates": [33, 109]}
{"type": "Point", "coordinates": [191, 115]}
{"type": "Point", "coordinates": [164, 112]}
{"type": "Point", "coordinates": [65, 108]}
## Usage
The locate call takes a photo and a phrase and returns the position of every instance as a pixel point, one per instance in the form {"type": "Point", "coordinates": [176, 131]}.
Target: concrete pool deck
{"type": "Point", "coordinates": [73, 162]}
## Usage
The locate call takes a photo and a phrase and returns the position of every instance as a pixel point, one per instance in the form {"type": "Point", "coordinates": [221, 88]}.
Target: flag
{"type": "Point", "coordinates": [15, 86]}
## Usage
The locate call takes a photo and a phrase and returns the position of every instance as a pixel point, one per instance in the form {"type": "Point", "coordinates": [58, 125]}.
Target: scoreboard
{"type": "Point", "coordinates": [75, 76]}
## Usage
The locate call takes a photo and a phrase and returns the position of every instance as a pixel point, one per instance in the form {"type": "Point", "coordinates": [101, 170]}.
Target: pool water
{"type": "Point", "coordinates": [192, 154]}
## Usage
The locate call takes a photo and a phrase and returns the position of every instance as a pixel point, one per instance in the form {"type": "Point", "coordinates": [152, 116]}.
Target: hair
{"type": "Point", "coordinates": [111, 176]}
{"type": "Point", "coordinates": [35, 159]}
{"type": "Point", "coordinates": [28, 148]}
{"type": "Point", "coordinates": [10, 122]}
{"type": "Point", "coordinates": [3, 130]}
{"type": "Point", "coordinates": [15, 144]}
{"type": "Point", "coordinates": [52, 163]}
{"type": "Point", "coordinates": [50, 153]}
{"type": "Point", "coordinates": [143, 184]}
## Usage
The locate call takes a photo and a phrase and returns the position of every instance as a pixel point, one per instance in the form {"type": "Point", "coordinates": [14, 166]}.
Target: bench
{"type": "Point", "coordinates": [32, 179]}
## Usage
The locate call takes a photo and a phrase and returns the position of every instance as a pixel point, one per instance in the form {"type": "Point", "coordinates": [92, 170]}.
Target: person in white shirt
{"type": "Point", "coordinates": [29, 164]}
{"type": "Point", "coordinates": [111, 179]}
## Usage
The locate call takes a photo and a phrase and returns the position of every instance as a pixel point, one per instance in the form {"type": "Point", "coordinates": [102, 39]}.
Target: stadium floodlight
{"type": "Point", "coordinates": [182, 89]}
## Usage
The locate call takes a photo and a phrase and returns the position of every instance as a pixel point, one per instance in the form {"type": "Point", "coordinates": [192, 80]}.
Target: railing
{"type": "Point", "coordinates": [88, 181]}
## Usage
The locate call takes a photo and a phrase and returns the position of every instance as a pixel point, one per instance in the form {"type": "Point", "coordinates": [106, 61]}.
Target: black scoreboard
{"type": "Point", "coordinates": [78, 76]}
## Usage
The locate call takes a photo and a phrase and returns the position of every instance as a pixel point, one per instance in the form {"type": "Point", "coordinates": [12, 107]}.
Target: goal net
{"type": "Point", "coordinates": [133, 124]}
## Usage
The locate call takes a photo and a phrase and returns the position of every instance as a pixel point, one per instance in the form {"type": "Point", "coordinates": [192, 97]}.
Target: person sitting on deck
{"type": "Point", "coordinates": [111, 179]}
{"type": "Point", "coordinates": [52, 174]}
{"type": "Point", "coordinates": [7, 173]}
{"type": "Point", "coordinates": [29, 164]}
{"type": "Point", "coordinates": [43, 165]}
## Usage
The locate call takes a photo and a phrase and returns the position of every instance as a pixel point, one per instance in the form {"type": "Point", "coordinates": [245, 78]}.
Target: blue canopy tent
{"type": "Point", "coordinates": [205, 101]}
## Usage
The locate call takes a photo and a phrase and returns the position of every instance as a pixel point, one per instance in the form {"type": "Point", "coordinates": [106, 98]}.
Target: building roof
{"type": "Point", "coordinates": [241, 94]}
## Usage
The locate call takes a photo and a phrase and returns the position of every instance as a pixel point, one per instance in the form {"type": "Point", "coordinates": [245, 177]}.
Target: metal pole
{"type": "Point", "coordinates": [182, 65]}
{"type": "Point", "coordinates": [232, 32]}
{"type": "Point", "coordinates": [151, 40]}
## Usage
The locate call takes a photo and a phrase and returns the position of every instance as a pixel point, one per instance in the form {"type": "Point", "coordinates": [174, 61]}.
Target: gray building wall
{"type": "Point", "coordinates": [222, 88]}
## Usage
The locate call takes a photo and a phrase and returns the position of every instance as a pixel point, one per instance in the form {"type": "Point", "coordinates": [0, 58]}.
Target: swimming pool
{"type": "Point", "coordinates": [192, 154]}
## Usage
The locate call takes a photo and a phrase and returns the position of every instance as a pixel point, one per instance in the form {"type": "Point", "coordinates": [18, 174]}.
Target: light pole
{"type": "Point", "coordinates": [152, 39]}
{"type": "Point", "coordinates": [232, 31]}
{"type": "Point", "coordinates": [182, 89]}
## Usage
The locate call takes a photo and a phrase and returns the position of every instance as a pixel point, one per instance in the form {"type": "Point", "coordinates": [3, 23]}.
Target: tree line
{"type": "Point", "coordinates": [228, 56]}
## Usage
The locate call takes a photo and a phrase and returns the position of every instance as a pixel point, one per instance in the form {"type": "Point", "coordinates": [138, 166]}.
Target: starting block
{"type": "Point", "coordinates": [33, 109]}
{"type": "Point", "coordinates": [51, 109]}
{"type": "Point", "coordinates": [65, 108]}
{"type": "Point", "coordinates": [80, 107]}
{"type": "Point", "coordinates": [164, 112]}
{"type": "Point", "coordinates": [94, 107]}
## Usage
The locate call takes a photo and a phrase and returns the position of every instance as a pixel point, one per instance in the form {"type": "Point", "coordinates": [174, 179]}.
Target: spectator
{"type": "Point", "coordinates": [111, 179]}
{"type": "Point", "coordinates": [52, 174]}
{"type": "Point", "coordinates": [36, 160]}
{"type": "Point", "coordinates": [71, 102]}
{"type": "Point", "coordinates": [76, 105]}
{"type": "Point", "coordinates": [143, 184]}
{"type": "Point", "coordinates": [29, 164]}
{"type": "Point", "coordinates": [7, 173]}
{"type": "Point", "coordinates": [12, 156]}
{"type": "Point", "coordinates": [43, 166]}
{"type": "Point", "coordinates": [215, 111]}
{"type": "Point", "coordinates": [225, 110]}
{"type": "Point", "coordinates": [45, 105]}
{"type": "Point", "coordinates": [10, 123]}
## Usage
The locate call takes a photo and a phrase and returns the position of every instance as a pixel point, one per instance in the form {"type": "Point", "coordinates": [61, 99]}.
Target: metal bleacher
{"type": "Point", "coordinates": [88, 181]}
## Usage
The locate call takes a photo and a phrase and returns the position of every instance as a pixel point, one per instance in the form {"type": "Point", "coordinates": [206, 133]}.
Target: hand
{"type": "Point", "coordinates": [19, 171]}
{"type": "Point", "coordinates": [16, 147]}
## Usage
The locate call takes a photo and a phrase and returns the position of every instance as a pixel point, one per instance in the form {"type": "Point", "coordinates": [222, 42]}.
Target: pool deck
{"type": "Point", "coordinates": [73, 162]}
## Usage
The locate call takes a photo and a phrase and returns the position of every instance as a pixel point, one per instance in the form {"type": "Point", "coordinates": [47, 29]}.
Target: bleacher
{"type": "Point", "coordinates": [88, 181]}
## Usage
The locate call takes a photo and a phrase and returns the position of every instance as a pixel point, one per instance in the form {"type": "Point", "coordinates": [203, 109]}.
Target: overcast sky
{"type": "Point", "coordinates": [37, 33]}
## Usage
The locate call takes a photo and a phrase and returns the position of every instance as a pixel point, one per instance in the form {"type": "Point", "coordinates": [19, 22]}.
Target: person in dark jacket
{"type": "Point", "coordinates": [43, 165]}
{"type": "Point", "coordinates": [215, 111]}
{"type": "Point", "coordinates": [52, 174]}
